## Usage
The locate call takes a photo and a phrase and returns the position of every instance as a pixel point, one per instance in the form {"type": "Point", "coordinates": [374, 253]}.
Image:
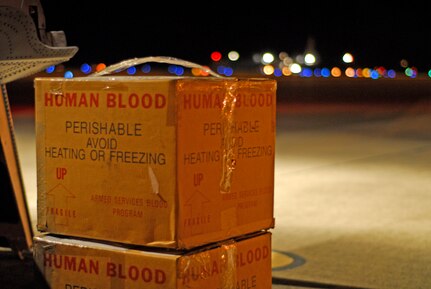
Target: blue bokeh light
{"type": "Point", "coordinates": [374, 74]}
{"type": "Point", "coordinates": [307, 72]}
{"type": "Point", "coordinates": [68, 74]}
{"type": "Point", "coordinates": [391, 73]}
{"type": "Point", "coordinates": [278, 72]}
{"type": "Point", "coordinates": [172, 68]}
{"type": "Point", "coordinates": [146, 68]}
{"type": "Point", "coordinates": [50, 69]}
{"type": "Point", "coordinates": [179, 70]}
{"type": "Point", "coordinates": [86, 68]}
{"type": "Point", "coordinates": [228, 71]}
{"type": "Point", "coordinates": [131, 70]}
{"type": "Point", "coordinates": [220, 69]}
{"type": "Point", "coordinates": [325, 72]}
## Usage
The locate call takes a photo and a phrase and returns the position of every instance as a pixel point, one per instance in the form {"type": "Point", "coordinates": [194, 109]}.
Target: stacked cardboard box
{"type": "Point", "coordinates": [169, 163]}
{"type": "Point", "coordinates": [74, 263]}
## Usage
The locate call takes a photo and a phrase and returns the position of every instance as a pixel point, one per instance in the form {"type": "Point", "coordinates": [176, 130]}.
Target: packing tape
{"type": "Point", "coordinates": [205, 264]}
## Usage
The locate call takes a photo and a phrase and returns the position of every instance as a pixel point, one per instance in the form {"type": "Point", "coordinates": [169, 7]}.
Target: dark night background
{"type": "Point", "coordinates": [375, 32]}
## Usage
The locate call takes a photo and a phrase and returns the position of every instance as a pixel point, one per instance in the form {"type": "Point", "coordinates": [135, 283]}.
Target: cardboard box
{"type": "Point", "coordinates": [173, 162]}
{"type": "Point", "coordinates": [73, 263]}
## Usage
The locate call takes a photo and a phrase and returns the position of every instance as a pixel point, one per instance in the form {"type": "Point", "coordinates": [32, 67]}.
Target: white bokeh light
{"type": "Point", "coordinates": [309, 59]}
{"type": "Point", "coordinates": [267, 58]}
{"type": "Point", "coordinates": [295, 68]}
{"type": "Point", "coordinates": [233, 55]}
{"type": "Point", "coordinates": [347, 58]}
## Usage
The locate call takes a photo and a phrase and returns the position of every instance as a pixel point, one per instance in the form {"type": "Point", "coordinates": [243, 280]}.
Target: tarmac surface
{"type": "Point", "coordinates": [352, 184]}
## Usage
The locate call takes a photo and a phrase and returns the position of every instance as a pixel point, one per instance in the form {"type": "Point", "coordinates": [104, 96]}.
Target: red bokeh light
{"type": "Point", "coordinates": [216, 56]}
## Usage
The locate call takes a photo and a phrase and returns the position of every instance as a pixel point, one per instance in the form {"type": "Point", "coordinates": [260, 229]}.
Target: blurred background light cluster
{"type": "Point", "coordinates": [264, 64]}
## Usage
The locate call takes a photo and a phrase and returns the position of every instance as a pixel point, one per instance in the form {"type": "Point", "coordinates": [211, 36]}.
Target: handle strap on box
{"type": "Point", "coordinates": [159, 59]}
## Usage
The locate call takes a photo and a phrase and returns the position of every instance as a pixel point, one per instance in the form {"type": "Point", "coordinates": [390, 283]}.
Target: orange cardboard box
{"type": "Point", "coordinates": [173, 162]}
{"type": "Point", "coordinates": [73, 263]}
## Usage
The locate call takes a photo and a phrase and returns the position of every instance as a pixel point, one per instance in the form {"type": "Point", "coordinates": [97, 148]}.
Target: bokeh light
{"type": "Point", "coordinates": [366, 72]}
{"type": "Point", "coordinates": [204, 72]}
{"type": "Point", "coordinates": [307, 72]}
{"type": "Point", "coordinates": [278, 72]}
{"type": "Point", "coordinates": [85, 68]}
{"type": "Point", "coordinates": [295, 68]}
{"type": "Point", "coordinates": [100, 67]}
{"type": "Point", "coordinates": [325, 72]}
{"type": "Point", "coordinates": [336, 71]}
{"type": "Point", "coordinates": [382, 71]}
{"type": "Point", "coordinates": [391, 73]}
{"type": "Point", "coordinates": [176, 69]}
{"type": "Point", "coordinates": [228, 71]}
{"type": "Point", "coordinates": [196, 71]}
{"type": "Point", "coordinates": [68, 74]}
{"type": "Point", "coordinates": [256, 58]}
{"type": "Point", "coordinates": [267, 58]}
{"type": "Point", "coordinates": [374, 74]}
{"type": "Point", "coordinates": [131, 70]}
{"type": "Point", "coordinates": [410, 72]}
{"type": "Point", "coordinates": [309, 59]}
{"type": "Point", "coordinates": [146, 68]}
{"type": "Point", "coordinates": [216, 56]}
{"type": "Point", "coordinates": [286, 71]}
{"type": "Point", "coordinates": [348, 58]}
{"type": "Point", "coordinates": [350, 72]}
{"type": "Point", "coordinates": [50, 69]}
{"type": "Point", "coordinates": [268, 69]}
{"type": "Point", "coordinates": [224, 70]}
{"type": "Point", "coordinates": [233, 55]}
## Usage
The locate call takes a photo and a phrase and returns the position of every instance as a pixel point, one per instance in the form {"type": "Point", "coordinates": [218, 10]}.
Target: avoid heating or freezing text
{"type": "Point", "coordinates": [119, 156]}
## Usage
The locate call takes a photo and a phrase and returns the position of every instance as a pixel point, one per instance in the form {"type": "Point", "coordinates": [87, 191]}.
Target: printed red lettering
{"type": "Point", "coordinates": [135, 100]}
{"type": "Point", "coordinates": [134, 273]}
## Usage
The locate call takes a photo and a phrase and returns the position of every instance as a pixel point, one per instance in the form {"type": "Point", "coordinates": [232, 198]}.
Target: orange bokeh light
{"type": "Point", "coordinates": [100, 66]}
